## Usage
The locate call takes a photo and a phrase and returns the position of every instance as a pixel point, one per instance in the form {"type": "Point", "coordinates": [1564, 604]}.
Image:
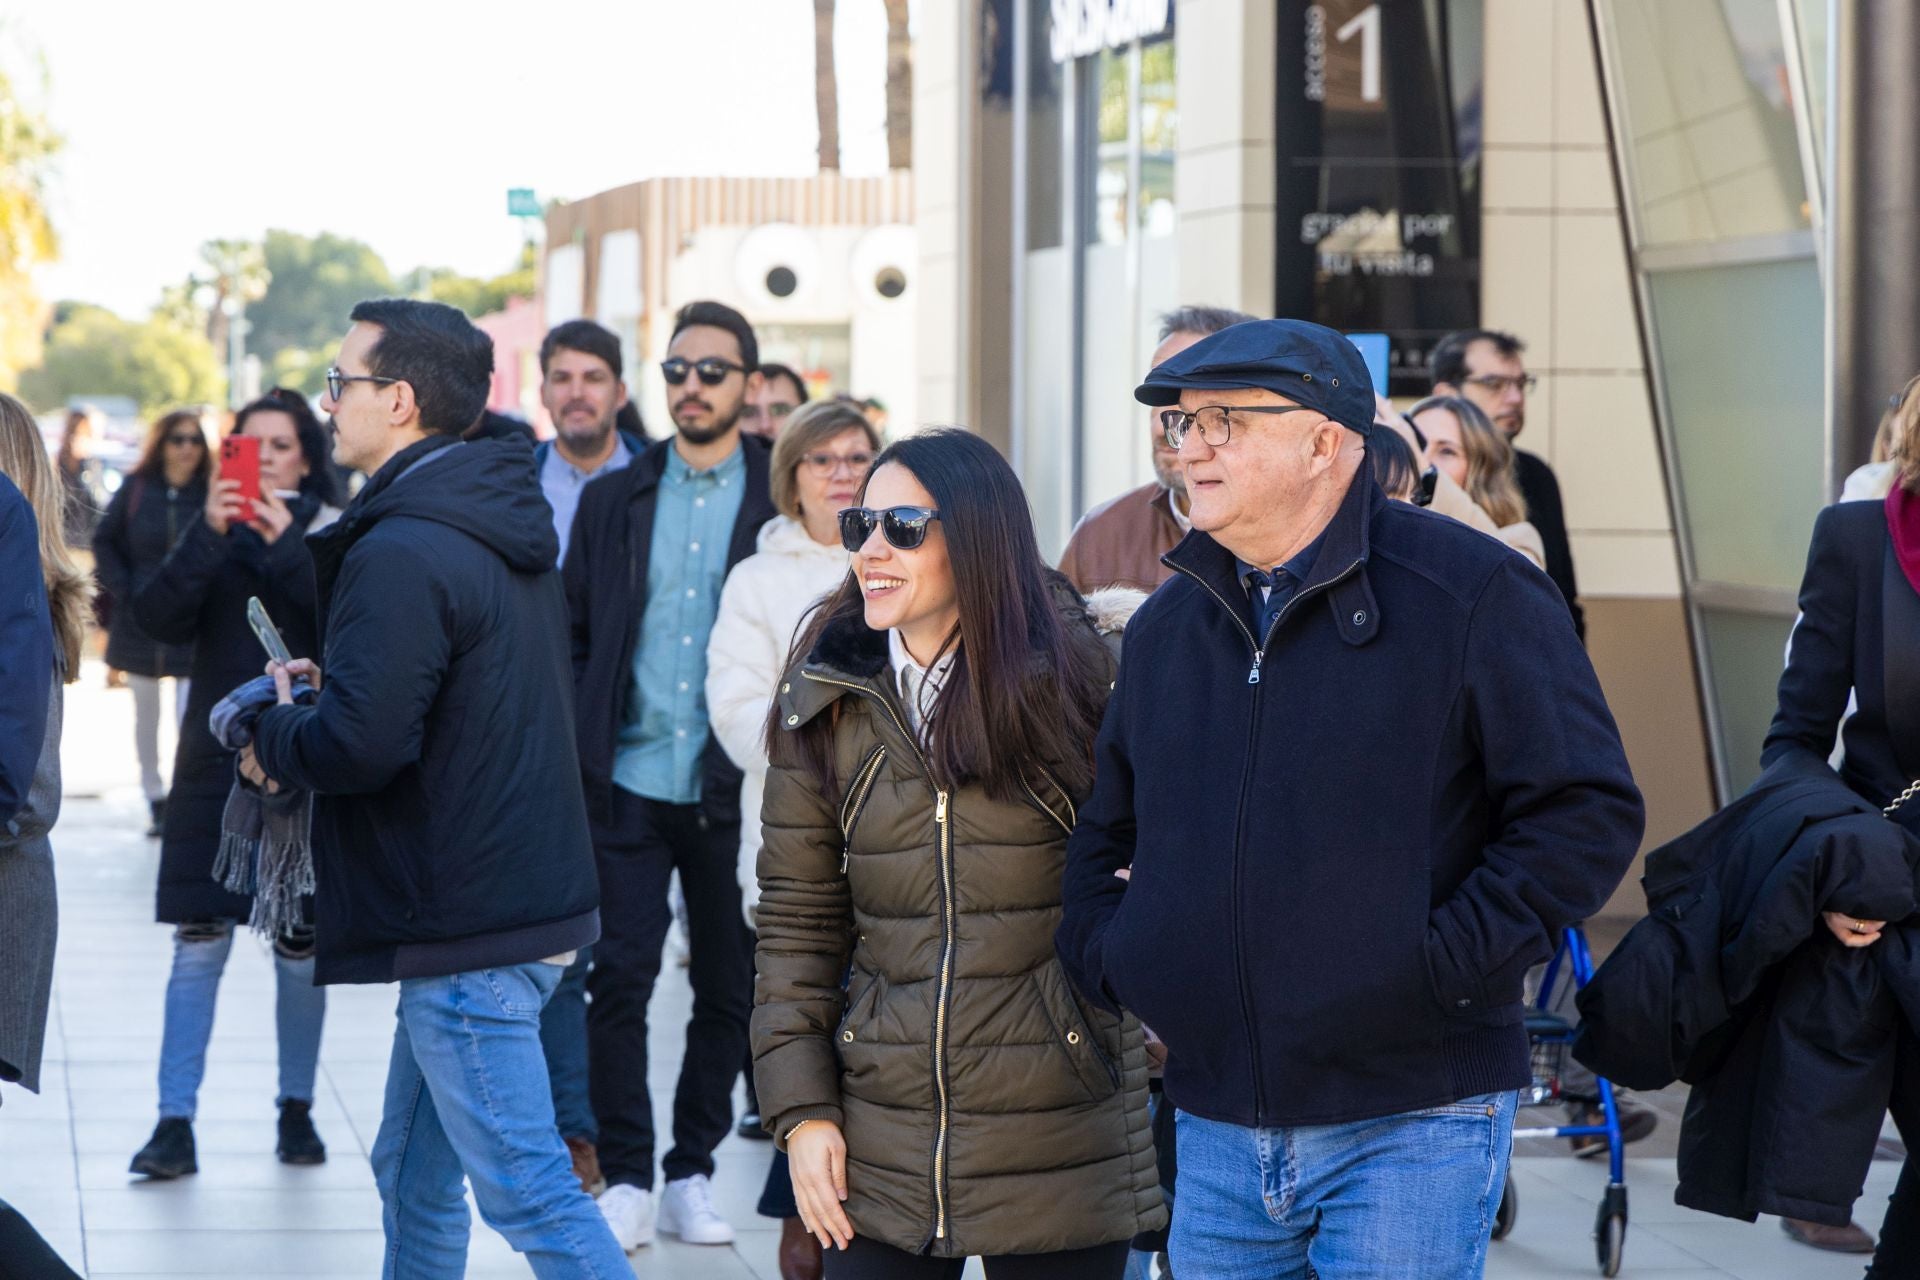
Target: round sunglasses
{"type": "Point", "coordinates": [904, 527]}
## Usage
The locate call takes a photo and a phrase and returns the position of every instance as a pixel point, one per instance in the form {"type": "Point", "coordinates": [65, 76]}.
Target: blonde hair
{"type": "Point", "coordinates": [1491, 482]}
{"type": "Point", "coordinates": [23, 459]}
{"type": "Point", "coordinates": [809, 427]}
{"type": "Point", "coordinates": [1898, 440]}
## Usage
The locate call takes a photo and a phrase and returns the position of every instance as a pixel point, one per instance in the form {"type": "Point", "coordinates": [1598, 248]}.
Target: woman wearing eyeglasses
{"type": "Point", "coordinates": [198, 597]}
{"type": "Point", "coordinates": [929, 744]}
{"type": "Point", "coordinates": [154, 505]}
{"type": "Point", "coordinates": [820, 458]}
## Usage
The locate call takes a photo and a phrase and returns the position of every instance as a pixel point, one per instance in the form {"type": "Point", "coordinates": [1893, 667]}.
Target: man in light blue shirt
{"type": "Point", "coordinates": [650, 548]}
{"type": "Point", "coordinates": [582, 389]}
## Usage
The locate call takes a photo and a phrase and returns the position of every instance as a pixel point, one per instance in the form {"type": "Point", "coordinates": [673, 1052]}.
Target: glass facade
{"type": "Point", "coordinates": [1095, 265]}
{"type": "Point", "coordinates": [1716, 145]}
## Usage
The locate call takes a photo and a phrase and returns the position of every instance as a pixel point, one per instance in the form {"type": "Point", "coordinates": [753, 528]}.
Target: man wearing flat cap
{"type": "Point", "coordinates": [1360, 774]}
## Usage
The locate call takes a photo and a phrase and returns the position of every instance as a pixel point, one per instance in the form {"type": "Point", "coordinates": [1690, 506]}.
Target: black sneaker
{"type": "Point", "coordinates": [299, 1144]}
{"type": "Point", "coordinates": [169, 1152]}
{"type": "Point", "coordinates": [158, 810]}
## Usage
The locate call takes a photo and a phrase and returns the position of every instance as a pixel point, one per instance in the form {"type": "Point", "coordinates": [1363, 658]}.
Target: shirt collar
{"type": "Point", "coordinates": [929, 679]}
{"type": "Point", "coordinates": [679, 472]}
{"type": "Point", "coordinates": [619, 458]}
{"type": "Point", "coordinates": [1298, 566]}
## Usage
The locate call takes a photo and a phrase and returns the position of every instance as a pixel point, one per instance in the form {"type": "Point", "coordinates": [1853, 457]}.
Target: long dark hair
{"type": "Point", "coordinates": [322, 481]}
{"type": "Point", "coordinates": [1027, 678]}
{"type": "Point", "coordinates": [153, 452]}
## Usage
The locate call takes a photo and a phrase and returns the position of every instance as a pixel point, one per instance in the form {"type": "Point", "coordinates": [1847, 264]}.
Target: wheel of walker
{"type": "Point", "coordinates": [1509, 1211]}
{"type": "Point", "coordinates": [1610, 1242]}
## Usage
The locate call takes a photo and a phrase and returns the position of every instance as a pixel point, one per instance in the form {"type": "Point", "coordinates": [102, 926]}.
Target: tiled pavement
{"type": "Point", "coordinates": [63, 1154]}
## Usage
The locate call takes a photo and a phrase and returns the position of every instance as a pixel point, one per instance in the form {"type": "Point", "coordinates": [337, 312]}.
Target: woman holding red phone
{"type": "Point", "coordinates": [240, 547]}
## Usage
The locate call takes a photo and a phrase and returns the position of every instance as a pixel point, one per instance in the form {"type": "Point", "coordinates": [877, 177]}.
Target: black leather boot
{"type": "Point", "coordinates": [169, 1152]}
{"type": "Point", "coordinates": [299, 1143]}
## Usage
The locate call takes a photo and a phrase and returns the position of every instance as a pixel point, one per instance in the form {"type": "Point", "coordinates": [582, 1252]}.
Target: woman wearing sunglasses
{"type": "Point", "coordinates": [820, 458]}
{"type": "Point", "coordinates": [151, 509]}
{"type": "Point", "coordinates": [929, 744]}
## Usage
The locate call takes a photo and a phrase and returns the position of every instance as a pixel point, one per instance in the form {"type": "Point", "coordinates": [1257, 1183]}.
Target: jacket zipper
{"type": "Point", "coordinates": [1240, 814]}
{"type": "Point", "coordinates": [862, 788]}
{"type": "Point", "coordinates": [943, 839]}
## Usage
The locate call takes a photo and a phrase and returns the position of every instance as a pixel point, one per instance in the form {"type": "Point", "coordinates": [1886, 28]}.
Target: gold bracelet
{"type": "Point", "coordinates": [797, 1128]}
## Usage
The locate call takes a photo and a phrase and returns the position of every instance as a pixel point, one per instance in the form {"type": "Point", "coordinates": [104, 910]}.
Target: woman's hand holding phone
{"type": "Point", "coordinates": [225, 506]}
{"type": "Point", "coordinates": [271, 517]}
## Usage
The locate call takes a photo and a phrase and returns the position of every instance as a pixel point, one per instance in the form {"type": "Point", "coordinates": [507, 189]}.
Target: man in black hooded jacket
{"type": "Point", "coordinates": [456, 858]}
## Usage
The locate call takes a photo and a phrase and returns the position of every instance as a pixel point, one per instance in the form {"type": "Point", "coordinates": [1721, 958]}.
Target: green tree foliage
{"type": "Point", "coordinates": [313, 283]}
{"type": "Point", "coordinates": [93, 352]}
{"type": "Point", "coordinates": [28, 145]}
{"type": "Point", "coordinates": [474, 296]}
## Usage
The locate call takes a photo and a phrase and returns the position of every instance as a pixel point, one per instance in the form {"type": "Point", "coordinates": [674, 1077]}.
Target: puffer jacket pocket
{"type": "Point", "coordinates": [855, 801]}
{"type": "Point", "coordinates": [863, 998]}
{"type": "Point", "coordinates": [1096, 1070]}
{"type": "Point", "coordinates": [1047, 795]}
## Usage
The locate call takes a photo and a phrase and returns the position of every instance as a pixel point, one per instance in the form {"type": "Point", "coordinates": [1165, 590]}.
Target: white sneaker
{"type": "Point", "coordinates": [686, 1210]}
{"type": "Point", "coordinates": [629, 1213]}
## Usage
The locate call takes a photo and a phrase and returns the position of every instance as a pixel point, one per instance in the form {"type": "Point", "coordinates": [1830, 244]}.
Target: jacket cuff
{"type": "Point", "coordinates": [783, 1124]}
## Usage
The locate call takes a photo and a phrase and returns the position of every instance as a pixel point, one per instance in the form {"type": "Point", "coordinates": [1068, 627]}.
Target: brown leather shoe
{"type": "Point", "coordinates": [799, 1252]}
{"type": "Point", "coordinates": [1852, 1238]}
{"type": "Point", "coordinates": [586, 1165]}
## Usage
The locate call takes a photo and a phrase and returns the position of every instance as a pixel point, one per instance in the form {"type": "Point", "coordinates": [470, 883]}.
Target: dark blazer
{"type": "Point", "coordinates": [1853, 598]}
{"type": "Point", "coordinates": [144, 520]}
{"type": "Point", "coordinates": [1541, 489]}
{"type": "Point", "coordinates": [606, 580]}
{"type": "Point", "coordinates": [197, 600]}
{"type": "Point", "coordinates": [26, 638]}
{"type": "Point", "coordinates": [449, 834]}
{"type": "Point", "coordinates": [1377, 820]}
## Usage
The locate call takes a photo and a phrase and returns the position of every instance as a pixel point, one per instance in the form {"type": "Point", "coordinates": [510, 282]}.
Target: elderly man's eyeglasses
{"type": "Point", "coordinates": [904, 527]}
{"type": "Point", "coordinates": [1215, 421]}
{"type": "Point", "coordinates": [1501, 383]}
{"type": "Point", "coordinates": [337, 381]}
{"type": "Point", "coordinates": [713, 370]}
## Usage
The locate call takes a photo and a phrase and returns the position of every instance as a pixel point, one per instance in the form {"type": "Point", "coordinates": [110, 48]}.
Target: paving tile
{"type": "Point", "coordinates": [233, 1253]}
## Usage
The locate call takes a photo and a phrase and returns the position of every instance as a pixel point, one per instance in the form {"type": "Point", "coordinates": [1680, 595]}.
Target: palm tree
{"type": "Point", "coordinates": [826, 92]}
{"type": "Point", "coordinates": [899, 87]}
{"type": "Point", "coordinates": [237, 269]}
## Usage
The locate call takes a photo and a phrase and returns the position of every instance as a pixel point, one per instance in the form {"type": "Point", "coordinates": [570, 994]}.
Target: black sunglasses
{"type": "Point", "coordinates": [904, 527]}
{"type": "Point", "coordinates": [713, 370]}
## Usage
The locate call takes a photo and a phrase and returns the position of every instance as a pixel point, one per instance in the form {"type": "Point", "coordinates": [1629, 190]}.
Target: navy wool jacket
{"type": "Point", "coordinates": [1350, 840]}
{"type": "Point", "coordinates": [451, 834]}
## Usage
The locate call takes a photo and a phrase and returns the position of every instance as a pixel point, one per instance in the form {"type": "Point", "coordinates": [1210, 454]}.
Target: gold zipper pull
{"type": "Point", "coordinates": [940, 808]}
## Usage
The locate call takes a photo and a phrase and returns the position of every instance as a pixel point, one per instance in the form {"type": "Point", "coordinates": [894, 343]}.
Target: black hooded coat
{"type": "Point", "coordinates": [450, 831]}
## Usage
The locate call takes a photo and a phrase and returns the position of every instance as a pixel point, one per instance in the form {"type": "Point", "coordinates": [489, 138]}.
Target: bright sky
{"type": "Point", "coordinates": [403, 123]}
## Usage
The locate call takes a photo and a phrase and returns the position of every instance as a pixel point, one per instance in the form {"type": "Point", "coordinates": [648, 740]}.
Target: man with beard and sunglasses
{"type": "Point", "coordinates": [650, 549]}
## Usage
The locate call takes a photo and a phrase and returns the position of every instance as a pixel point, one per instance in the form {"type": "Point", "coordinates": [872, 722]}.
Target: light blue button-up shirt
{"type": "Point", "coordinates": [562, 482]}
{"type": "Point", "coordinates": [665, 727]}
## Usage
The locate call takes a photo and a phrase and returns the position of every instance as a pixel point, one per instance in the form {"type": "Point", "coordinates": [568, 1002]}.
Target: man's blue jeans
{"type": "Point", "coordinates": [1400, 1196]}
{"type": "Point", "coordinates": [563, 1039]}
{"type": "Point", "coordinates": [467, 1095]}
{"type": "Point", "coordinates": [200, 954]}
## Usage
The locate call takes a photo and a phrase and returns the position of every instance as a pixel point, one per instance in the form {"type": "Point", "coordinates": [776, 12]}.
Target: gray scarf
{"type": "Point", "coordinates": [266, 839]}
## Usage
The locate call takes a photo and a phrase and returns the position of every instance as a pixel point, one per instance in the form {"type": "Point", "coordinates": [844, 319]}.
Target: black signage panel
{"type": "Point", "coordinates": [1378, 113]}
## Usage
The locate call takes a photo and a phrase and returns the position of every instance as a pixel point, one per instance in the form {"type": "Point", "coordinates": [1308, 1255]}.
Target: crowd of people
{"type": "Point", "coordinates": [1023, 897]}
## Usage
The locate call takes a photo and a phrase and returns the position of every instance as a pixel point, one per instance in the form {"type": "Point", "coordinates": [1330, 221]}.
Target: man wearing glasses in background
{"type": "Point", "coordinates": [651, 546]}
{"type": "Point", "coordinates": [1484, 365]}
{"type": "Point", "coordinates": [767, 410]}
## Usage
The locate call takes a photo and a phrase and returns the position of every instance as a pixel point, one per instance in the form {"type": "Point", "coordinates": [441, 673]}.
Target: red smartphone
{"type": "Point", "coordinates": [240, 460]}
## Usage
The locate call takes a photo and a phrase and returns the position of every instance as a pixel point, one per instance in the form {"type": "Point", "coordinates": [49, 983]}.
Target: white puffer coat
{"type": "Point", "coordinates": [761, 608]}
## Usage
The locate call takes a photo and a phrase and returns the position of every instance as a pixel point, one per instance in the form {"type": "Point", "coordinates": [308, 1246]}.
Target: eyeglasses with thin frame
{"type": "Point", "coordinates": [1501, 383]}
{"type": "Point", "coordinates": [777, 411]}
{"type": "Point", "coordinates": [904, 527]}
{"type": "Point", "coordinates": [713, 370]}
{"type": "Point", "coordinates": [1215, 421]}
{"type": "Point", "coordinates": [825, 464]}
{"type": "Point", "coordinates": [337, 381]}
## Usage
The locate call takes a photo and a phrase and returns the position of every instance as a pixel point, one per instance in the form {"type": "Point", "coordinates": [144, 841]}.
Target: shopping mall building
{"type": "Point", "coordinates": [1631, 186]}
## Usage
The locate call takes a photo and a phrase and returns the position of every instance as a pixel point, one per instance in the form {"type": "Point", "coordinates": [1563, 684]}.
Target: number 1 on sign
{"type": "Point", "coordinates": [1367, 23]}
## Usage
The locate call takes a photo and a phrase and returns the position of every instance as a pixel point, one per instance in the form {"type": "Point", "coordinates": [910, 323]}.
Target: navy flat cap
{"type": "Point", "coordinates": [1307, 363]}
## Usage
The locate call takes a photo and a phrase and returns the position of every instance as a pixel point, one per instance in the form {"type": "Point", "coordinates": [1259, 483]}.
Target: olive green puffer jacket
{"type": "Point", "coordinates": [987, 1108]}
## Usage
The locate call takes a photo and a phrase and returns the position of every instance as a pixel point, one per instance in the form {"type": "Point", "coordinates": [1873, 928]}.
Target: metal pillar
{"type": "Point", "coordinates": [1873, 217]}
